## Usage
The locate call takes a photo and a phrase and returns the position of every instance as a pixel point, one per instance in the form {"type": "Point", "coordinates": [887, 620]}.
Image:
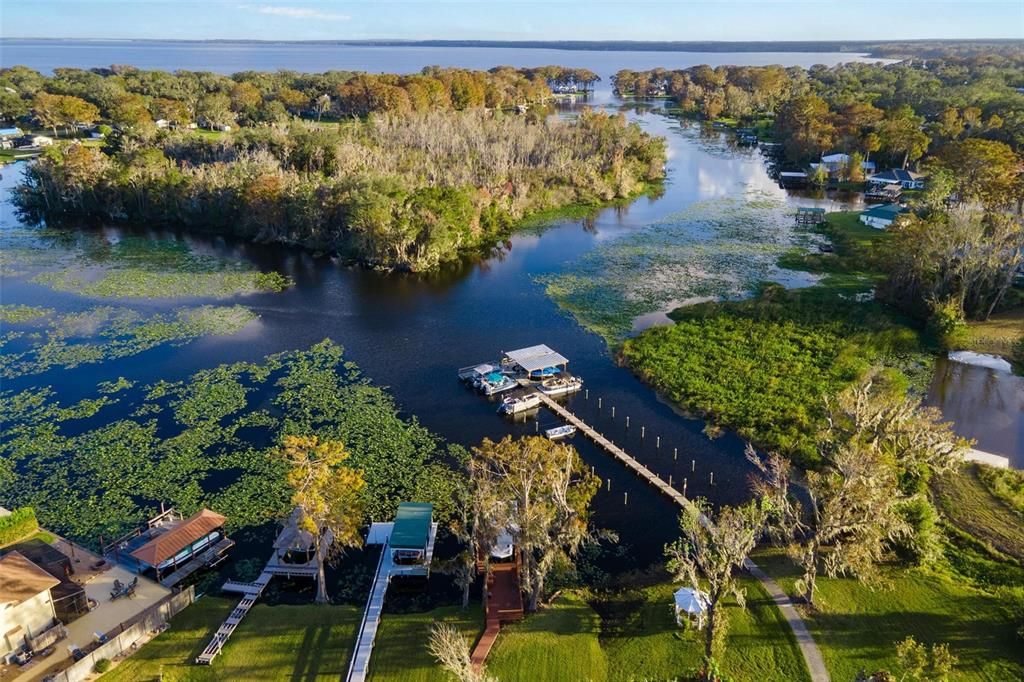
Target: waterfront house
{"type": "Point", "coordinates": [898, 176]}
{"type": "Point", "coordinates": [26, 606]}
{"type": "Point", "coordinates": [32, 141]}
{"type": "Point", "coordinates": [10, 133]}
{"type": "Point", "coordinates": [836, 164]}
{"type": "Point", "coordinates": [881, 217]}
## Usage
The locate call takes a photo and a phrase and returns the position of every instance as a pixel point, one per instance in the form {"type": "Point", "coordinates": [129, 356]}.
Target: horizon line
{"type": "Point", "coordinates": [527, 42]}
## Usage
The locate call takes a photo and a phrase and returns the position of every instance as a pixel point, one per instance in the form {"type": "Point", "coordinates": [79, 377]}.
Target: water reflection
{"type": "Point", "coordinates": [985, 404]}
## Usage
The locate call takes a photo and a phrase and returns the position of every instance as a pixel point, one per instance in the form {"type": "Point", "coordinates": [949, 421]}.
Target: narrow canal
{"type": "Point", "coordinates": [410, 333]}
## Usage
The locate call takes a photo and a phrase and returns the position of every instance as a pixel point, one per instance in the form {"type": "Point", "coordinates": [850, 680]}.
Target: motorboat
{"type": "Point", "coordinates": [515, 405]}
{"type": "Point", "coordinates": [560, 385]}
{"type": "Point", "coordinates": [494, 383]}
{"type": "Point", "coordinates": [560, 432]}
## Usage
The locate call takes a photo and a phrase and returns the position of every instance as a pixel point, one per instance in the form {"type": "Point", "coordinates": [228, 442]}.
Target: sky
{"type": "Point", "coordinates": [507, 20]}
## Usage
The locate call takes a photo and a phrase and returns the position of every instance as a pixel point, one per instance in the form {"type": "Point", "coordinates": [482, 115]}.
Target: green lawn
{"type": "Point", "coordinates": [997, 335]}
{"type": "Point", "coordinates": [400, 652]}
{"type": "Point", "coordinates": [644, 643]}
{"type": "Point", "coordinates": [628, 636]}
{"type": "Point", "coordinates": [857, 628]}
{"type": "Point", "coordinates": [558, 643]}
{"type": "Point", "coordinates": [970, 506]}
{"type": "Point", "coordinates": [272, 643]}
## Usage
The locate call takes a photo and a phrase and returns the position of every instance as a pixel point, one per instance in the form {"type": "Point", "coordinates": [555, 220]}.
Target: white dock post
{"type": "Point", "coordinates": [643, 431]}
{"type": "Point", "coordinates": [658, 445]}
{"type": "Point", "coordinates": [625, 498]}
{"type": "Point", "coordinates": [613, 412]}
{"type": "Point", "coordinates": [670, 480]}
{"type": "Point", "coordinates": [684, 487]}
{"type": "Point", "coordinates": [693, 465]}
{"type": "Point", "coordinates": [675, 454]}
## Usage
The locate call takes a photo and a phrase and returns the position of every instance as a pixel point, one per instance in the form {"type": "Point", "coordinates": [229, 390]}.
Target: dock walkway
{"type": "Point", "coordinates": [360, 665]}
{"type": "Point", "coordinates": [808, 648]}
{"type": "Point", "coordinates": [251, 592]}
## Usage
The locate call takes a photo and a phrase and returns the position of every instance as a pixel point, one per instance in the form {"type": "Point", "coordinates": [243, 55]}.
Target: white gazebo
{"type": "Point", "coordinates": [690, 604]}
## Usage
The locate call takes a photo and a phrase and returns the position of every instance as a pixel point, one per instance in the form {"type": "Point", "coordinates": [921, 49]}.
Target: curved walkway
{"type": "Point", "coordinates": [811, 652]}
{"type": "Point", "coordinates": [808, 648]}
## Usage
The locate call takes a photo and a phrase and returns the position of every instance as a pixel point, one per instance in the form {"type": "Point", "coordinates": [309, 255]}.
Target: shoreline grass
{"type": "Point", "coordinates": [857, 628]}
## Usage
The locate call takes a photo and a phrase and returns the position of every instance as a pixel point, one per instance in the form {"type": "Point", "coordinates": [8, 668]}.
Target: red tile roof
{"type": "Point", "coordinates": [167, 544]}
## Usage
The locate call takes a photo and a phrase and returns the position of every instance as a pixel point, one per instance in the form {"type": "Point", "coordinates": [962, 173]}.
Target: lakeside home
{"type": "Point", "coordinates": [898, 176]}
{"type": "Point", "coordinates": [26, 605]}
{"type": "Point", "coordinates": [881, 217]}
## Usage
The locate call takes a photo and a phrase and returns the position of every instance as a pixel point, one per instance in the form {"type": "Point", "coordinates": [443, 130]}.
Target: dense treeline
{"type": "Point", "coordinates": [130, 97]}
{"type": "Point", "coordinates": [900, 111]}
{"type": "Point", "coordinates": [401, 191]}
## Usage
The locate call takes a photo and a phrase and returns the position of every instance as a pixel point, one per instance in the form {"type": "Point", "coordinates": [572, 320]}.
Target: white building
{"type": "Point", "coordinates": [881, 217]}
{"type": "Point", "coordinates": [26, 607]}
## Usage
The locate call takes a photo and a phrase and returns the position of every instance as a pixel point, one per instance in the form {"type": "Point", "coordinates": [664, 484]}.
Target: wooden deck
{"type": "Point", "coordinates": [504, 603]}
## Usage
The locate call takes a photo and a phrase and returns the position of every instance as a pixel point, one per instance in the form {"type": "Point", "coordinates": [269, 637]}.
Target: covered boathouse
{"type": "Point", "coordinates": [181, 547]}
{"type": "Point", "coordinates": [537, 362]}
{"type": "Point", "coordinates": [412, 537]}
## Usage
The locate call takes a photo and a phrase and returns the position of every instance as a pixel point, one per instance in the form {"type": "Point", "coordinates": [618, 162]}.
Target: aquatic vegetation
{"type": "Point", "coordinates": [127, 266]}
{"type": "Point", "coordinates": [22, 313]}
{"type": "Point", "coordinates": [207, 440]}
{"type": "Point", "coordinates": [763, 366]}
{"type": "Point", "coordinates": [120, 384]}
{"type": "Point", "coordinates": [716, 249]}
{"type": "Point", "coordinates": [105, 333]}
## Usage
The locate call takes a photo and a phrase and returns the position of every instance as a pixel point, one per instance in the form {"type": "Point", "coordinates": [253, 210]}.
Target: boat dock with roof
{"type": "Point", "coordinates": [408, 550]}
{"type": "Point", "coordinates": [535, 368]}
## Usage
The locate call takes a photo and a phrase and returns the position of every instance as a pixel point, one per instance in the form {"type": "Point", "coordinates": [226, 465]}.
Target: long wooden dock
{"type": "Point", "coordinates": [617, 452]}
{"type": "Point", "coordinates": [812, 655]}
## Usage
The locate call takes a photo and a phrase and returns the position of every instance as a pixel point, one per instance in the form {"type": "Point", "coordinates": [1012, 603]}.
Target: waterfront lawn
{"type": "Point", "coordinates": [968, 504]}
{"type": "Point", "coordinates": [400, 652]}
{"type": "Point", "coordinates": [560, 642]}
{"type": "Point", "coordinates": [306, 642]}
{"type": "Point", "coordinates": [643, 641]}
{"type": "Point", "coordinates": [857, 628]}
{"type": "Point", "coordinates": [853, 267]}
{"type": "Point", "coordinates": [997, 335]}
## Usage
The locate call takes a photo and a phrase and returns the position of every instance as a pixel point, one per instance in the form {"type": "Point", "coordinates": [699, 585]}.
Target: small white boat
{"type": "Point", "coordinates": [513, 405]}
{"type": "Point", "coordinates": [560, 385]}
{"type": "Point", "coordinates": [560, 432]}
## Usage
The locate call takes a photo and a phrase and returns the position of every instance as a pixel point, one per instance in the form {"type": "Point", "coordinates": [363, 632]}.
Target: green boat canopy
{"type": "Point", "coordinates": [412, 525]}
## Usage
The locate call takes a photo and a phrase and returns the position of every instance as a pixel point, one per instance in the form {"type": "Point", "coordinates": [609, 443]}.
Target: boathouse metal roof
{"type": "Point", "coordinates": [536, 358]}
{"type": "Point", "coordinates": [181, 536]}
{"type": "Point", "coordinates": [412, 525]}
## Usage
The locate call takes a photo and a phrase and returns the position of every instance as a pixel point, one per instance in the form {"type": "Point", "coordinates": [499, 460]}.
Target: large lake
{"type": "Point", "coordinates": [231, 57]}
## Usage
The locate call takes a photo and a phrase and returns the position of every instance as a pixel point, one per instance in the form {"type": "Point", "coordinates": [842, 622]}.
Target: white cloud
{"type": "Point", "coordinates": [296, 12]}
